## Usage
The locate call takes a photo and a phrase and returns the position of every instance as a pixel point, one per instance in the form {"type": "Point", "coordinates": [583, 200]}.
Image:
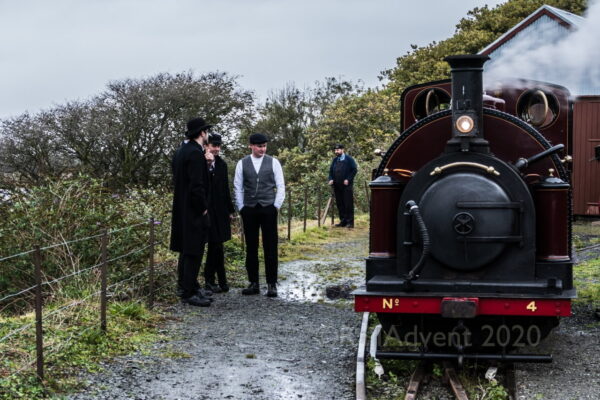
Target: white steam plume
{"type": "Point", "coordinates": [573, 61]}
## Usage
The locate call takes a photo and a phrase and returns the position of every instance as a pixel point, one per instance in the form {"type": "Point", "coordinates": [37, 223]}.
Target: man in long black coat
{"type": "Point", "coordinates": [190, 221]}
{"type": "Point", "coordinates": [221, 211]}
{"type": "Point", "coordinates": [341, 177]}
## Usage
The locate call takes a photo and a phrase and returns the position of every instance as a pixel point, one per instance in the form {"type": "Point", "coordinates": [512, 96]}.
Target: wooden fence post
{"type": "Point", "coordinates": [332, 207]}
{"type": "Point", "coordinates": [319, 206]}
{"type": "Point", "coordinates": [151, 266]}
{"type": "Point", "coordinates": [39, 339]}
{"type": "Point", "coordinates": [289, 215]}
{"type": "Point", "coordinates": [305, 208]}
{"type": "Point", "coordinates": [103, 251]}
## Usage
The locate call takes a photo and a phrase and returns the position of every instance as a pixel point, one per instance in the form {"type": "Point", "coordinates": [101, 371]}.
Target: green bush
{"type": "Point", "coordinates": [76, 208]}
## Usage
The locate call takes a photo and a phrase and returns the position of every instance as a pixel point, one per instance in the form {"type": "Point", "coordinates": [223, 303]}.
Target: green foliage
{"type": "Point", "coordinates": [73, 343]}
{"type": "Point", "coordinates": [587, 281]}
{"type": "Point", "coordinates": [290, 115]}
{"type": "Point", "coordinates": [363, 122]}
{"type": "Point", "coordinates": [125, 135]}
{"type": "Point", "coordinates": [76, 208]}
{"type": "Point", "coordinates": [585, 234]}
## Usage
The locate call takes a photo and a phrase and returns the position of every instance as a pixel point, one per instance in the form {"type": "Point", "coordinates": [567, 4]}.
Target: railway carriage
{"type": "Point", "coordinates": [470, 235]}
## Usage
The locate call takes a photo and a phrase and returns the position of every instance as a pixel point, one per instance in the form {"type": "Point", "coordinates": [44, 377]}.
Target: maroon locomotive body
{"type": "Point", "coordinates": [471, 217]}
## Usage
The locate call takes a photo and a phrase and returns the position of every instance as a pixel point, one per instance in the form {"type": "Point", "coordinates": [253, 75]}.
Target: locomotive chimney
{"type": "Point", "coordinates": [467, 103]}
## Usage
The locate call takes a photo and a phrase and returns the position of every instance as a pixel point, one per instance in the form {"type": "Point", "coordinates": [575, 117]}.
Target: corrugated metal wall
{"type": "Point", "coordinates": [586, 170]}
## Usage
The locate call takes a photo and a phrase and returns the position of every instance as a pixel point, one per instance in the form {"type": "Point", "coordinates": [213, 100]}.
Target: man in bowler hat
{"type": "Point", "coordinates": [341, 177]}
{"type": "Point", "coordinates": [220, 211]}
{"type": "Point", "coordinates": [259, 194]}
{"type": "Point", "coordinates": [190, 221]}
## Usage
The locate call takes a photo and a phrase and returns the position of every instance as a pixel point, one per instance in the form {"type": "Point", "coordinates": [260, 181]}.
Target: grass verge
{"type": "Point", "coordinates": [305, 245]}
{"type": "Point", "coordinates": [73, 344]}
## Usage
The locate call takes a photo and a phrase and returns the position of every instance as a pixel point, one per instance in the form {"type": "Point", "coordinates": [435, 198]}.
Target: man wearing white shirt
{"type": "Point", "coordinates": [259, 194]}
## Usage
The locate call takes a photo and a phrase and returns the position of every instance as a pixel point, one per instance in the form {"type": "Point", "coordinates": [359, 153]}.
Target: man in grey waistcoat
{"type": "Point", "coordinates": [259, 193]}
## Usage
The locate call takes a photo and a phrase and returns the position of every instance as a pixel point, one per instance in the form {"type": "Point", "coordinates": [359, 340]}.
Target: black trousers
{"type": "Point", "coordinates": [188, 268]}
{"type": "Point", "coordinates": [344, 200]}
{"type": "Point", "coordinates": [215, 264]}
{"type": "Point", "coordinates": [261, 219]}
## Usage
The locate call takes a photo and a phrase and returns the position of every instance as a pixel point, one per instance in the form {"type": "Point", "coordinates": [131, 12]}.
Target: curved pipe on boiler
{"type": "Point", "coordinates": [413, 209]}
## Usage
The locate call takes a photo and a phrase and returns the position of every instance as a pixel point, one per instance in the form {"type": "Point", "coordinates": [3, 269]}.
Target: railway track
{"type": "Point", "coordinates": [423, 372]}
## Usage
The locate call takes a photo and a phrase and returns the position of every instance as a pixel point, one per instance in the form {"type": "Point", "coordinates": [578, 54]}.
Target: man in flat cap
{"type": "Point", "coordinates": [220, 211]}
{"type": "Point", "coordinates": [190, 220]}
{"type": "Point", "coordinates": [259, 194]}
{"type": "Point", "coordinates": [341, 177]}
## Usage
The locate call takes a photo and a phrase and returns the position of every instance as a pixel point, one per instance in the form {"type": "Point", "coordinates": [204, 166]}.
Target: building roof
{"type": "Point", "coordinates": [549, 45]}
{"type": "Point", "coordinates": [538, 19]}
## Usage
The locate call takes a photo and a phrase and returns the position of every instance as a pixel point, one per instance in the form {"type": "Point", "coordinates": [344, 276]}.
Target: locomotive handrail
{"type": "Point", "coordinates": [403, 172]}
{"type": "Point", "coordinates": [488, 169]}
{"type": "Point", "coordinates": [523, 162]}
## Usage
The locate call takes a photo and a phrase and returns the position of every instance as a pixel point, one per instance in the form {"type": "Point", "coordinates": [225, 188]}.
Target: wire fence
{"type": "Point", "coordinates": [311, 206]}
{"type": "Point", "coordinates": [315, 203]}
{"type": "Point", "coordinates": [144, 248]}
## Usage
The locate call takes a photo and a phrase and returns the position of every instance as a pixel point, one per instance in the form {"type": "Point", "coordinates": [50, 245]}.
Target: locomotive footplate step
{"type": "Point", "coordinates": [392, 283]}
{"type": "Point", "coordinates": [511, 358]}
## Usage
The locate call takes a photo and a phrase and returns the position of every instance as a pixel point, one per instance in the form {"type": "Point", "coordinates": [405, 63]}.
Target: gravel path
{"type": "Point", "coordinates": [297, 346]}
{"type": "Point", "coordinates": [575, 371]}
{"type": "Point", "coordinates": [242, 348]}
{"type": "Point", "coordinates": [575, 345]}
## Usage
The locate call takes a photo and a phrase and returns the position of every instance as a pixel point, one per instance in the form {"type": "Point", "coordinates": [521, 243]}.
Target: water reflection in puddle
{"type": "Point", "coordinates": [307, 280]}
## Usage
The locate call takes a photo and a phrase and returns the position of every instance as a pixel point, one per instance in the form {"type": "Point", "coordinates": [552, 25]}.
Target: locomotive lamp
{"type": "Point", "coordinates": [465, 124]}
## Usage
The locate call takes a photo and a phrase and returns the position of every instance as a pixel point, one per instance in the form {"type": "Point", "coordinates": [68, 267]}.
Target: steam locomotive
{"type": "Point", "coordinates": [470, 220]}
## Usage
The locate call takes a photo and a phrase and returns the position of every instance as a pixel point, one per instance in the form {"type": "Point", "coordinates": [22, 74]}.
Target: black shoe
{"type": "Point", "coordinates": [197, 301]}
{"type": "Point", "coordinates": [340, 225]}
{"type": "Point", "coordinates": [271, 290]}
{"type": "Point", "coordinates": [350, 226]}
{"type": "Point", "coordinates": [253, 288]}
{"type": "Point", "coordinates": [224, 287]}
{"type": "Point", "coordinates": [212, 287]}
{"type": "Point", "coordinates": [202, 293]}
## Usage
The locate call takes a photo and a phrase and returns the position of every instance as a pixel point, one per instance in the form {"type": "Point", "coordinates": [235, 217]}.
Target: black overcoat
{"type": "Point", "coordinates": [189, 227]}
{"type": "Point", "coordinates": [220, 204]}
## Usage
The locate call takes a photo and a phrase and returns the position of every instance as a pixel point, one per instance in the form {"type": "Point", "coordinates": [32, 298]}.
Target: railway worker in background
{"type": "Point", "coordinates": [341, 177]}
{"type": "Point", "coordinates": [259, 194]}
{"type": "Point", "coordinates": [221, 212]}
{"type": "Point", "coordinates": [190, 220]}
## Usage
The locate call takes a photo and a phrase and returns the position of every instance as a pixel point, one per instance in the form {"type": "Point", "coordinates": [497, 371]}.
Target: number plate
{"type": "Point", "coordinates": [459, 307]}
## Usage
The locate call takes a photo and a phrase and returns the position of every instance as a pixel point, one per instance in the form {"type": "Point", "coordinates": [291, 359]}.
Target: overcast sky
{"type": "Point", "coordinates": [60, 50]}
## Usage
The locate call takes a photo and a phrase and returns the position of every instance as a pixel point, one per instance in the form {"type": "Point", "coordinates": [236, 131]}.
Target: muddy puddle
{"type": "Point", "coordinates": [319, 281]}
